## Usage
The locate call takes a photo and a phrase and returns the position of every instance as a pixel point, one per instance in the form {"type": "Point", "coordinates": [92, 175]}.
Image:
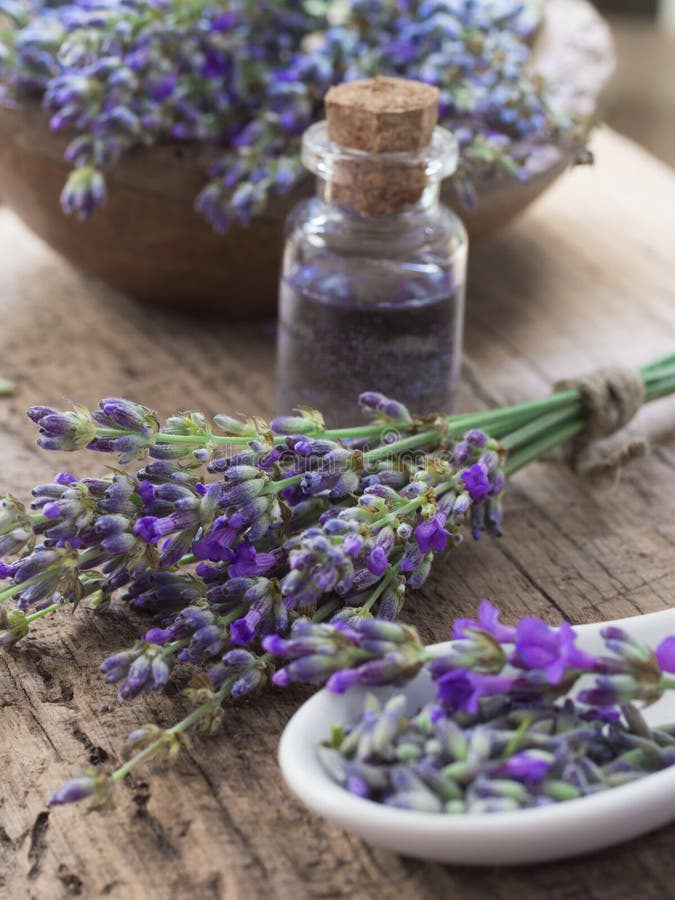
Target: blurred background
{"type": "Point", "coordinates": [641, 99]}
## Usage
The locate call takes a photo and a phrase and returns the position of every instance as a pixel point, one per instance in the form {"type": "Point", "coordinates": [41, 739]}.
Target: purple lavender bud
{"type": "Point", "coordinates": [347, 483]}
{"type": "Point", "coordinates": [550, 650]}
{"type": "Point", "coordinates": [239, 659]}
{"type": "Point", "coordinates": [126, 414]}
{"type": "Point", "coordinates": [111, 524]}
{"type": "Point", "coordinates": [248, 682]}
{"type": "Point", "coordinates": [358, 786]}
{"type": "Point", "coordinates": [340, 682]}
{"type": "Point", "coordinates": [326, 578]}
{"type": "Point", "coordinates": [237, 474]}
{"type": "Point", "coordinates": [293, 425]}
{"type": "Point", "coordinates": [611, 691]}
{"type": "Point", "coordinates": [431, 535]}
{"type": "Point", "coordinates": [247, 561]}
{"type": "Point", "coordinates": [191, 620]}
{"type": "Point", "coordinates": [371, 401]}
{"type": "Point", "coordinates": [462, 505]}
{"type": "Point", "coordinates": [249, 512]}
{"type": "Point", "coordinates": [282, 678]}
{"type": "Point", "coordinates": [36, 413]}
{"type": "Point", "coordinates": [476, 438]}
{"type": "Point", "coordinates": [241, 632]}
{"type": "Point", "coordinates": [243, 492]}
{"type": "Point", "coordinates": [173, 492]}
{"type": "Point", "coordinates": [146, 529]}
{"type": "Point", "coordinates": [404, 531]}
{"type": "Point", "coordinates": [275, 645]}
{"type": "Point", "coordinates": [119, 544]}
{"type": "Point", "coordinates": [77, 789]}
{"type": "Point", "coordinates": [146, 492]}
{"type": "Point", "coordinates": [208, 640]}
{"type": "Point", "coordinates": [488, 620]}
{"type": "Point", "coordinates": [8, 571]}
{"type": "Point", "coordinates": [385, 539]}
{"type": "Point", "coordinates": [377, 561]}
{"type": "Point", "coordinates": [476, 482]}
{"type": "Point", "coordinates": [461, 453]}
{"type": "Point", "coordinates": [526, 766]}
{"type": "Point", "coordinates": [391, 603]}
{"type": "Point", "coordinates": [478, 521]}
{"type": "Point", "coordinates": [420, 573]}
{"type": "Point", "coordinates": [159, 636]}
{"type": "Point", "coordinates": [352, 544]}
{"type": "Point", "coordinates": [493, 518]}
{"type": "Point", "coordinates": [665, 654]}
{"type": "Point", "coordinates": [137, 678]}
{"type": "Point", "coordinates": [159, 674]}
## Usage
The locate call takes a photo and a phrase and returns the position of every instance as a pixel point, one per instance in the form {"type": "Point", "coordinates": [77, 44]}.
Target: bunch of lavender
{"type": "Point", "coordinates": [248, 77]}
{"type": "Point", "coordinates": [223, 533]}
{"type": "Point", "coordinates": [497, 736]}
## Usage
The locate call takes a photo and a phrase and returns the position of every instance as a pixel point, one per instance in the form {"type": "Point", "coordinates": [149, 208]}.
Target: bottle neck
{"type": "Point", "coordinates": [427, 201]}
{"type": "Point", "coordinates": [379, 185]}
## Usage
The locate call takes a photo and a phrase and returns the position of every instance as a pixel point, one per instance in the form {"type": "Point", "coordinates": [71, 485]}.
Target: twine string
{"type": "Point", "coordinates": [610, 398]}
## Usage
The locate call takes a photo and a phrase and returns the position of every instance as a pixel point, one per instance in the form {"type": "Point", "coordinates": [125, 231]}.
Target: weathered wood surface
{"type": "Point", "coordinates": [584, 279]}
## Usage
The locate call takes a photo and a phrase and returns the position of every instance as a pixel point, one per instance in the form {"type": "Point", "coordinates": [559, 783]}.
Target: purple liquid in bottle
{"type": "Point", "coordinates": [353, 324]}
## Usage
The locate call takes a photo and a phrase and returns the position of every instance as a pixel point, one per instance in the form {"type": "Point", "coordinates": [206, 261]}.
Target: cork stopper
{"type": "Point", "coordinates": [382, 115]}
{"type": "Point", "coordinates": [375, 118]}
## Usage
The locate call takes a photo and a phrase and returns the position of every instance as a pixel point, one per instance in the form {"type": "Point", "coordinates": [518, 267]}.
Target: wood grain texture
{"type": "Point", "coordinates": [586, 278]}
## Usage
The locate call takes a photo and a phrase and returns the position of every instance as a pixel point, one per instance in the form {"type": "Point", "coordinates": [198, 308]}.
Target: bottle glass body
{"type": "Point", "coordinates": [371, 303]}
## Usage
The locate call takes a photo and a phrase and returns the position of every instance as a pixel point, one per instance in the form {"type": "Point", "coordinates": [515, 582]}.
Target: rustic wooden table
{"type": "Point", "coordinates": [584, 279]}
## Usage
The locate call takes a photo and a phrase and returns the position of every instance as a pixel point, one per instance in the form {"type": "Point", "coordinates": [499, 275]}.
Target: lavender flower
{"type": "Point", "coordinates": [251, 79]}
{"type": "Point", "coordinates": [364, 652]}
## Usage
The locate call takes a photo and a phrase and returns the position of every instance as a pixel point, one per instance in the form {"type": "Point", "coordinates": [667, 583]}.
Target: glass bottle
{"type": "Point", "coordinates": [372, 285]}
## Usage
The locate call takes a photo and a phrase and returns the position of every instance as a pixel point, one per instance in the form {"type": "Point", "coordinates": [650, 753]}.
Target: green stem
{"type": "Point", "coordinates": [205, 709]}
{"type": "Point", "coordinates": [408, 443]}
{"type": "Point", "coordinates": [173, 648]}
{"type": "Point", "coordinates": [190, 439]}
{"type": "Point", "coordinates": [275, 487]}
{"type": "Point", "coordinates": [36, 519]}
{"type": "Point", "coordinates": [231, 617]}
{"type": "Point", "coordinates": [43, 612]}
{"type": "Point", "coordinates": [325, 610]}
{"type": "Point", "coordinates": [15, 589]}
{"type": "Point", "coordinates": [524, 411]}
{"type": "Point", "coordinates": [543, 445]}
{"type": "Point", "coordinates": [359, 431]}
{"type": "Point", "coordinates": [662, 363]}
{"type": "Point", "coordinates": [388, 579]}
{"type": "Point", "coordinates": [661, 388]}
{"type": "Point", "coordinates": [402, 510]}
{"type": "Point", "coordinates": [542, 425]}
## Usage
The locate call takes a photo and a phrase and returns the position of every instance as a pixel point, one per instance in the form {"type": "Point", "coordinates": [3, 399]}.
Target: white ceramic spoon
{"type": "Point", "coordinates": [569, 828]}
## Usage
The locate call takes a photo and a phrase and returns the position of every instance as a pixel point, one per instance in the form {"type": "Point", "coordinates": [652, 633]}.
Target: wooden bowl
{"type": "Point", "coordinates": [150, 243]}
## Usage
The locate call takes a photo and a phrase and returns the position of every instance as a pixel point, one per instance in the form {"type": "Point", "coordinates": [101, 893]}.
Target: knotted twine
{"type": "Point", "coordinates": [610, 398]}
